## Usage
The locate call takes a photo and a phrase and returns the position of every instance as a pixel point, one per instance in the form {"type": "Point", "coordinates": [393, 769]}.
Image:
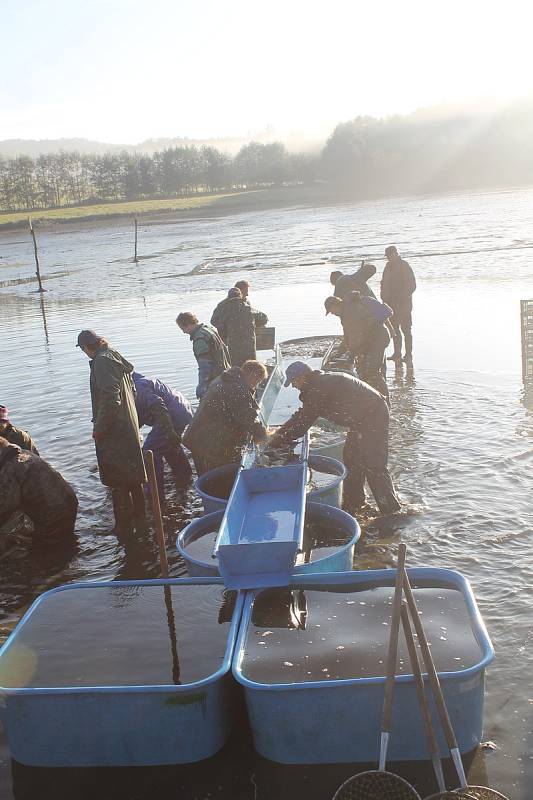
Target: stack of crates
{"type": "Point", "coordinates": [526, 317]}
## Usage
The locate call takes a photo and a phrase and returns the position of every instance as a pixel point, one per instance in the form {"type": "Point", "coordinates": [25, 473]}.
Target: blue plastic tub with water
{"type": "Point", "coordinates": [214, 487]}
{"type": "Point", "coordinates": [115, 725]}
{"type": "Point", "coordinates": [338, 721]}
{"type": "Point", "coordinates": [339, 559]}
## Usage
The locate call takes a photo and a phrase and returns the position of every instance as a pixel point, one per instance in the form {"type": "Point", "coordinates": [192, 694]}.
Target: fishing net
{"type": "Point", "coordinates": [376, 785]}
{"type": "Point", "coordinates": [469, 793]}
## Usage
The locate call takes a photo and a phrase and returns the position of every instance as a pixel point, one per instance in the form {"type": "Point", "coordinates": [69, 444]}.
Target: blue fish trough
{"type": "Point", "coordinates": [262, 528]}
{"type": "Point", "coordinates": [214, 487]}
{"type": "Point", "coordinates": [314, 688]}
{"type": "Point", "coordinates": [332, 553]}
{"type": "Point", "coordinates": [123, 673]}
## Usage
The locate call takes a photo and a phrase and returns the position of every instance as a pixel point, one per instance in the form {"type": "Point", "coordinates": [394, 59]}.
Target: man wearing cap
{"type": "Point", "coordinates": [356, 282]}
{"type": "Point", "coordinates": [209, 350]}
{"type": "Point", "coordinates": [29, 484]}
{"type": "Point", "coordinates": [398, 284]}
{"type": "Point", "coordinates": [226, 417]}
{"type": "Point", "coordinates": [350, 403]}
{"type": "Point", "coordinates": [244, 288]}
{"type": "Point", "coordinates": [365, 334]}
{"type": "Point", "coordinates": [116, 431]}
{"type": "Point", "coordinates": [15, 435]}
{"type": "Point", "coordinates": [236, 322]}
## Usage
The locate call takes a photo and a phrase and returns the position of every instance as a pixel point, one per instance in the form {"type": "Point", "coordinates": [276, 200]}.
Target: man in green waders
{"type": "Point", "coordinates": [116, 432]}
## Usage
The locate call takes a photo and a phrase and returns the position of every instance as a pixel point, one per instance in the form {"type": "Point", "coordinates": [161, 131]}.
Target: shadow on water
{"type": "Point", "coordinates": [236, 772]}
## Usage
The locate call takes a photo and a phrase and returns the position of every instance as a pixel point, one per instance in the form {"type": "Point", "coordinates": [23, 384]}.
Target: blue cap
{"type": "Point", "coordinates": [294, 370]}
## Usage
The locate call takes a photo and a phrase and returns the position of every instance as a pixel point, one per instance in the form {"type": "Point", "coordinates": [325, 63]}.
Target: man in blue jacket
{"type": "Point", "coordinates": [168, 413]}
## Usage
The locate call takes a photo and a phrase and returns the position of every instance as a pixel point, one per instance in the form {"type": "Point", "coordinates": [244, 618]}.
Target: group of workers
{"type": "Point", "coordinates": [227, 415]}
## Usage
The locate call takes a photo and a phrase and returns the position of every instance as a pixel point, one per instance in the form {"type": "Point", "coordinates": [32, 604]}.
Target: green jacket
{"type": "Point", "coordinates": [363, 333]}
{"type": "Point", "coordinates": [115, 422]}
{"type": "Point", "coordinates": [210, 353]}
{"type": "Point", "coordinates": [19, 437]}
{"type": "Point", "coordinates": [236, 322]}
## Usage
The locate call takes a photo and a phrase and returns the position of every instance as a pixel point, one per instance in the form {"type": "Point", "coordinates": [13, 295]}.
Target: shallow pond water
{"type": "Point", "coordinates": [461, 448]}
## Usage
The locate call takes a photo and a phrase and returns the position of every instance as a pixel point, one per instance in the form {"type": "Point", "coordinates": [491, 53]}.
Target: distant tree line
{"type": "Point", "coordinates": [362, 158]}
{"type": "Point", "coordinates": [61, 179]}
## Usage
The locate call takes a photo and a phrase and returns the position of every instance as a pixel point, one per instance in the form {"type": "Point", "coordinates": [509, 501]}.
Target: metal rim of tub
{"type": "Point", "coordinates": [382, 577]}
{"type": "Point", "coordinates": [224, 668]}
{"type": "Point", "coordinates": [213, 520]}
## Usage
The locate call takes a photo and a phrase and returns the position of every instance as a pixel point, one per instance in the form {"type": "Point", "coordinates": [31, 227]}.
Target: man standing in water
{"type": "Point", "coordinates": [116, 432]}
{"type": "Point", "coordinates": [208, 348]}
{"type": "Point", "coordinates": [398, 284]}
{"type": "Point", "coordinates": [236, 322]}
{"type": "Point", "coordinates": [346, 401]}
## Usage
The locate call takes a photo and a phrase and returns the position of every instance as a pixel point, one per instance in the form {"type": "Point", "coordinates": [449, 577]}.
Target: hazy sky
{"type": "Point", "coordinates": [127, 70]}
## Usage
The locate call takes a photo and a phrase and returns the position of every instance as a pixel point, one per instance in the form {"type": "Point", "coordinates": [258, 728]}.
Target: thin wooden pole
{"type": "Point", "coordinates": [156, 508]}
{"type": "Point", "coordinates": [41, 288]}
{"type": "Point", "coordinates": [136, 236]}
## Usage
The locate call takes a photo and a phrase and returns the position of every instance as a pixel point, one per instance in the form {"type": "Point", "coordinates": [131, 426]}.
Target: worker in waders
{"type": "Point", "coordinates": [209, 350]}
{"type": "Point", "coordinates": [29, 484]}
{"type": "Point", "coordinates": [227, 415]}
{"type": "Point", "coordinates": [398, 284]}
{"type": "Point", "coordinates": [116, 432]}
{"type": "Point", "coordinates": [236, 322]}
{"type": "Point", "coordinates": [365, 335]}
{"type": "Point", "coordinates": [168, 413]}
{"type": "Point", "coordinates": [15, 435]}
{"type": "Point", "coordinates": [352, 404]}
{"type": "Point", "coordinates": [355, 282]}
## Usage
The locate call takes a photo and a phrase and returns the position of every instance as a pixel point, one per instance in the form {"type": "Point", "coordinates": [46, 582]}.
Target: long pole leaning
{"type": "Point", "coordinates": [36, 254]}
{"type": "Point", "coordinates": [156, 508]}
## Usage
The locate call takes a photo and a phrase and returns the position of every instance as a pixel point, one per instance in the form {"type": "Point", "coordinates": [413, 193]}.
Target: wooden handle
{"type": "Point", "coordinates": [435, 684]}
{"type": "Point", "coordinates": [156, 508]}
{"type": "Point", "coordinates": [422, 699]}
{"type": "Point", "coordinates": [393, 641]}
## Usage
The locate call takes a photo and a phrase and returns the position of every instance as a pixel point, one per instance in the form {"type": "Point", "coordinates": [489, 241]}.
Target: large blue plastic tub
{"type": "Point", "coordinates": [119, 725]}
{"type": "Point", "coordinates": [214, 487]}
{"type": "Point", "coordinates": [341, 524]}
{"type": "Point", "coordinates": [338, 721]}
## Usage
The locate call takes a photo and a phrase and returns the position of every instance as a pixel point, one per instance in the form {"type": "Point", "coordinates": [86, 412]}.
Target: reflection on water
{"type": "Point", "coordinates": [460, 450]}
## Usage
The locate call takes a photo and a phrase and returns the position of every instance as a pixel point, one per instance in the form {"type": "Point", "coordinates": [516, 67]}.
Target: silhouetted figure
{"type": "Point", "coordinates": [209, 350]}
{"type": "Point", "coordinates": [356, 282]}
{"type": "Point", "coordinates": [29, 484]}
{"type": "Point", "coordinates": [365, 334]}
{"type": "Point", "coordinates": [236, 322]}
{"type": "Point", "coordinates": [116, 432]}
{"type": "Point", "coordinates": [398, 284]}
{"type": "Point", "coordinates": [15, 435]}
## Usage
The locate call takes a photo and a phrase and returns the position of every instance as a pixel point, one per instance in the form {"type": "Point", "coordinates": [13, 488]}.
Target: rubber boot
{"type": "Point", "coordinates": [123, 512]}
{"type": "Point", "coordinates": [139, 509]}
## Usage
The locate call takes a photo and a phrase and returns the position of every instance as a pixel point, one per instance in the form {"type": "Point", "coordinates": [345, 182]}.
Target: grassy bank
{"type": "Point", "coordinates": [105, 210]}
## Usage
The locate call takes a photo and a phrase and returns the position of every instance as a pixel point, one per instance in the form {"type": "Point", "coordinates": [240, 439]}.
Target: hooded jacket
{"type": "Point", "coordinates": [236, 322]}
{"type": "Point", "coordinates": [357, 282]}
{"type": "Point", "coordinates": [225, 418]}
{"type": "Point", "coordinates": [335, 396]}
{"type": "Point", "coordinates": [115, 421]}
{"type": "Point", "coordinates": [210, 353]}
{"type": "Point", "coordinates": [30, 484]}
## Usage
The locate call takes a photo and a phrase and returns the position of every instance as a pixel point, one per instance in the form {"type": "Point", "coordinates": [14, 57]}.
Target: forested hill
{"type": "Point", "coordinates": [366, 157]}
